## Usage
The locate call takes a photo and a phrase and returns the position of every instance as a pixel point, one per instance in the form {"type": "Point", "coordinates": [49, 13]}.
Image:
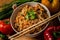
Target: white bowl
{"type": "Point", "coordinates": [18, 8]}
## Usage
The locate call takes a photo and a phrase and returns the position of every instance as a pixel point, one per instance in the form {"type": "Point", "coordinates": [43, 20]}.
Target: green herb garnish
{"type": "Point", "coordinates": [30, 15]}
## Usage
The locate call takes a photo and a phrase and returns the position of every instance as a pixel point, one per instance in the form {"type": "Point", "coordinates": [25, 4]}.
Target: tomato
{"type": "Point", "coordinates": [5, 28]}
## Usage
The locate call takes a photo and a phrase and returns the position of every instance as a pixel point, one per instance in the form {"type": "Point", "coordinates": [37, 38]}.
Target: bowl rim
{"type": "Point", "coordinates": [48, 12]}
{"type": "Point", "coordinates": [59, 18]}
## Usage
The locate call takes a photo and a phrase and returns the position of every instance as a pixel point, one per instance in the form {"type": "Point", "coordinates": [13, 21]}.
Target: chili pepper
{"type": "Point", "coordinates": [58, 28]}
{"type": "Point", "coordinates": [58, 38]}
{"type": "Point", "coordinates": [48, 34]}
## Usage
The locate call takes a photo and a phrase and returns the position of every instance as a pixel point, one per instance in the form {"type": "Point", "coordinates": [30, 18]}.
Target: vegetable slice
{"type": "Point", "coordinates": [30, 15]}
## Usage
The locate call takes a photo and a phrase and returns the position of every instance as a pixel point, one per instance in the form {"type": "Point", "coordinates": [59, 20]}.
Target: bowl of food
{"type": "Point", "coordinates": [28, 14]}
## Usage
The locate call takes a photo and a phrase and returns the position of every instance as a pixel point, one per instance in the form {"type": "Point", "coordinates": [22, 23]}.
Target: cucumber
{"type": "Point", "coordinates": [4, 12]}
{"type": "Point", "coordinates": [6, 9]}
{"type": "Point", "coordinates": [6, 15]}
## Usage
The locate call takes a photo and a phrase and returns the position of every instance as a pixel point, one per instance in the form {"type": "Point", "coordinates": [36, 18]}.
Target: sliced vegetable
{"type": "Point", "coordinates": [27, 16]}
{"type": "Point", "coordinates": [31, 15]}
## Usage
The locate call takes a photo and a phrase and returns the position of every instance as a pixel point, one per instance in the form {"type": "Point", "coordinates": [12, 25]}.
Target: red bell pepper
{"type": "Point", "coordinates": [5, 28]}
{"type": "Point", "coordinates": [48, 34]}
